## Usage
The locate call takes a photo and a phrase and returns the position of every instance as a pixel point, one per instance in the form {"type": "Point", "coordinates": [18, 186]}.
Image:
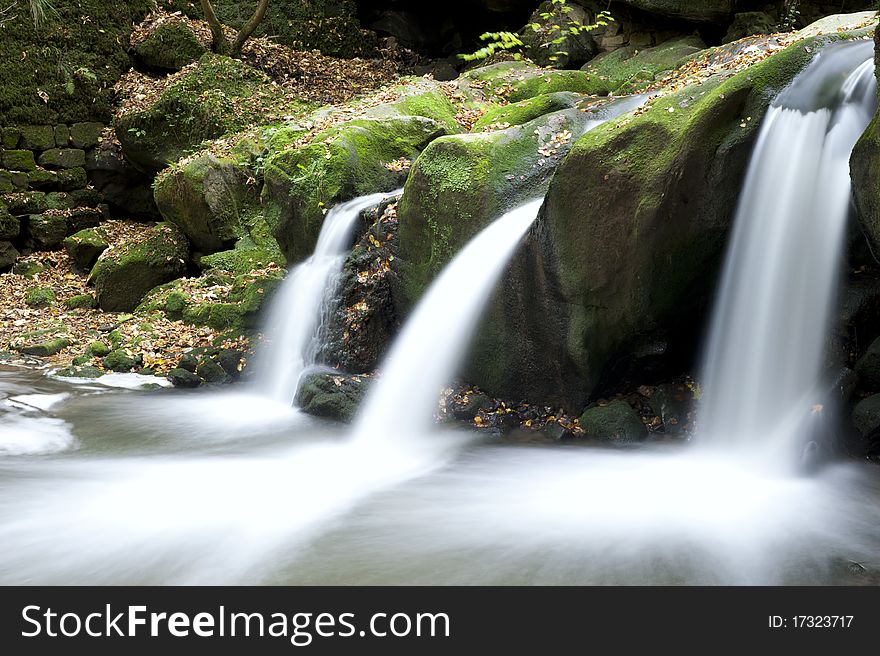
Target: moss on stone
{"type": "Point", "coordinates": [170, 47]}
{"type": "Point", "coordinates": [97, 349]}
{"type": "Point", "coordinates": [526, 110]}
{"type": "Point", "coordinates": [38, 297]}
{"type": "Point", "coordinates": [616, 422]}
{"type": "Point", "coordinates": [84, 247]}
{"type": "Point", "coordinates": [45, 349]}
{"type": "Point", "coordinates": [121, 361]}
{"type": "Point", "coordinates": [81, 302]}
{"type": "Point", "coordinates": [19, 160]}
{"type": "Point", "coordinates": [124, 274]}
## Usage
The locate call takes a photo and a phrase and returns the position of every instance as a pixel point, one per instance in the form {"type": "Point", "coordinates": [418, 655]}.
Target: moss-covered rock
{"type": "Point", "coordinates": [10, 226]}
{"type": "Point", "coordinates": [36, 137]}
{"type": "Point", "coordinates": [515, 81]}
{"type": "Point", "coordinates": [866, 415]}
{"type": "Point", "coordinates": [97, 349]}
{"type": "Point", "coordinates": [47, 231]}
{"type": "Point", "coordinates": [28, 269]}
{"type": "Point", "coordinates": [331, 396]}
{"type": "Point", "coordinates": [81, 302]}
{"type": "Point", "coordinates": [242, 260]}
{"type": "Point", "coordinates": [627, 69]}
{"type": "Point", "coordinates": [8, 255]}
{"type": "Point", "coordinates": [85, 246]}
{"type": "Point", "coordinates": [208, 198]}
{"type": "Point", "coordinates": [504, 116]}
{"type": "Point", "coordinates": [341, 163]}
{"type": "Point", "coordinates": [46, 348]}
{"type": "Point", "coordinates": [865, 172]}
{"type": "Point", "coordinates": [19, 160]}
{"type": "Point", "coordinates": [200, 105]}
{"type": "Point", "coordinates": [39, 297]}
{"type": "Point", "coordinates": [85, 134]}
{"type": "Point", "coordinates": [868, 366]}
{"type": "Point", "coordinates": [121, 361]}
{"type": "Point", "coordinates": [616, 422]}
{"type": "Point", "coordinates": [80, 371]}
{"type": "Point", "coordinates": [461, 183]}
{"type": "Point", "coordinates": [183, 378]}
{"type": "Point", "coordinates": [629, 239]}
{"type": "Point", "coordinates": [125, 273]}
{"type": "Point", "coordinates": [170, 47]}
{"type": "Point", "coordinates": [62, 158]}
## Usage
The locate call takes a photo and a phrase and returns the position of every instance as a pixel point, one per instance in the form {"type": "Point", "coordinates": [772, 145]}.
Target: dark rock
{"type": "Point", "coordinates": [231, 361]}
{"type": "Point", "coordinates": [467, 410]}
{"type": "Point", "coordinates": [674, 404]}
{"type": "Point", "coordinates": [183, 378]}
{"type": "Point", "coordinates": [749, 23]}
{"type": "Point", "coordinates": [46, 231]}
{"type": "Point", "coordinates": [866, 415]}
{"type": "Point", "coordinates": [62, 136]}
{"type": "Point", "coordinates": [8, 255]}
{"type": "Point", "coordinates": [119, 183]}
{"type": "Point", "coordinates": [10, 226]}
{"type": "Point", "coordinates": [19, 160]}
{"type": "Point", "coordinates": [189, 362]}
{"type": "Point", "coordinates": [331, 396]}
{"type": "Point", "coordinates": [616, 422]}
{"type": "Point", "coordinates": [211, 372]}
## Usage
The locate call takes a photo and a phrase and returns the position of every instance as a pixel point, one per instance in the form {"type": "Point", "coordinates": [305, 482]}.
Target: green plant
{"type": "Point", "coordinates": [556, 28]}
{"type": "Point", "coordinates": [788, 16]}
{"type": "Point", "coordinates": [41, 11]}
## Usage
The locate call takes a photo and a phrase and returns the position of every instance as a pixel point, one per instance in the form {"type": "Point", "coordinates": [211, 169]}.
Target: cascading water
{"type": "Point", "coordinates": [426, 354]}
{"type": "Point", "coordinates": [763, 370]}
{"type": "Point", "coordinates": [294, 323]}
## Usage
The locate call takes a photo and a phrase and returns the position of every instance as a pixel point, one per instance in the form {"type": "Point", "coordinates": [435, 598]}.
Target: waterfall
{"type": "Point", "coordinates": [763, 373]}
{"type": "Point", "coordinates": [295, 320]}
{"type": "Point", "coordinates": [426, 354]}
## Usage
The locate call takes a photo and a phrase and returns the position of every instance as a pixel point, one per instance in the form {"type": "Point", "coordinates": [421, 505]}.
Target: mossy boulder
{"type": "Point", "coordinates": [868, 366]}
{"type": "Point", "coordinates": [865, 172]}
{"type": "Point", "coordinates": [80, 371]}
{"type": "Point", "coordinates": [170, 47]}
{"type": "Point", "coordinates": [461, 183]}
{"type": "Point", "coordinates": [243, 259]}
{"type": "Point", "coordinates": [85, 246]}
{"type": "Point", "coordinates": [85, 134]}
{"type": "Point", "coordinates": [339, 164]}
{"type": "Point", "coordinates": [121, 361]}
{"type": "Point", "coordinates": [208, 198]}
{"type": "Point", "coordinates": [39, 297]}
{"type": "Point", "coordinates": [125, 273]}
{"type": "Point", "coordinates": [503, 116]}
{"type": "Point", "coordinates": [629, 241]}
{"type": "Point", "coordinates": [201, 105]}
{"type": "Point", "coordinates": [46, 348]}
{"type": "Point", "coordinates": [615, 422]}
{"type": "Point", "coordinates": [81, 302]}
{"type": "Point", "coordinates": [627, 69]}
{"type": "Point", "coordinates": [331, 396]}
{"type": "Point", "coordinates": [183, 378]}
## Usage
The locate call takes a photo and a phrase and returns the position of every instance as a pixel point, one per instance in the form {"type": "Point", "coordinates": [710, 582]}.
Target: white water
{"type": "Point", "coordinates": [297, 311]}
{"type": "Point", "coordinates": [428, 351]}
{"type": "Point", "coordinates": [763, 383]}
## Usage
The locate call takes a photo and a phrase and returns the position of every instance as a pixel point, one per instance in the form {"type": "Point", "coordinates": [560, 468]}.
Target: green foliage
{"type": "Point", "coordinates": [42, 11]}
{"type": "Point", "coordinates": [553, 32]}
{"type": "Point", "coordinates": [789, 15]}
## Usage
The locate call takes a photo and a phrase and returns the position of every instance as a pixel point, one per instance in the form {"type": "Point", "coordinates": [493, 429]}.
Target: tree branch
{"type": "Point", "coordinates": [219, 43]}
{"type": "Point", "coordinates": [249, 27]}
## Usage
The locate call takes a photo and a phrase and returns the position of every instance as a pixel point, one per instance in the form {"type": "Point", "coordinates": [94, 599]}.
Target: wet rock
{"type": "Point", "coordinates": [674, 403]}
{"type": "Point", "coordinates": [188, 362]}
{"type": "Point", "coordinates": [211, 372]}
{"type": "Point", "coordinates": [866, 415]}
{"type": "Point", "coordinates": [80, 371]}
{"type": "Point", "coordinates": [183, 378]}
{"type": "Point", "coordinates": [331, 396]}
{"type": "Point", "coordinates": [616, 422]}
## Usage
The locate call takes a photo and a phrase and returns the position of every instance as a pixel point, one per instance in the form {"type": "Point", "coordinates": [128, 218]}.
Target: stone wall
{"type": "Point", "coordinates": [45, 193]}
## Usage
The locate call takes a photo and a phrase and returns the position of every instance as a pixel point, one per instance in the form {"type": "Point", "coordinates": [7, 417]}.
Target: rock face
{"type": "Point", "coordinates": [207, 198]}
{"type": "Point", "coordinates": [629, 238]}
{"type": "Point", "coordinates": [865, 171]}
{"type": "Point", "coordinates": [197, 107]}
{"type": "Point", "coordinates": [348, 160]}
{"type": "Point", "coordinates": [331, 396]}
{"type": "Point", "coordinates": [124, 274]}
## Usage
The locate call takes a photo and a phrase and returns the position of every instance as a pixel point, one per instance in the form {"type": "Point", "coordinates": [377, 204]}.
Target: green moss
{"type": "Point", "coordinates": [80, 301]}
{"type": "Point", "coordinates": [74, 59]}
{"type": "Point", "coordinates": [242, 260]}
{"type": "Point", "coordinates": [216, 97]}
{"type": "Point", "coordinates": [97, 349]}
{"type": "Point", "coordinates": [616, 422]}
{"type": "Point", "coordinates": [45, 349]}
{"type": "Point", "coordinates": [19, 160]}
{"type": "Point", "coordinates": [171, 47]}
{"type": "Point", "coordinates": [80, 372]}
{"type": "Point", "coordinates": [39, 297]}
{"type": "Point", "coordinates": [221, 316]}
{"type": "Point", "coordinates": [28, 269]}
{"type": "Point", "coordinates": [121, 361]}
{"type": "Point", "coordinates": [526, 110]}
